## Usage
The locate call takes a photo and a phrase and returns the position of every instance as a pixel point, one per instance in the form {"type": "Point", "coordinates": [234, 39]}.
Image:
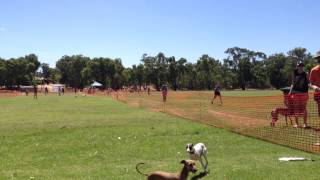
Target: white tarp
{"type": "Point", "coordinates": [294, 159]}
{"type": "Point", "coordinates": [55, 87]}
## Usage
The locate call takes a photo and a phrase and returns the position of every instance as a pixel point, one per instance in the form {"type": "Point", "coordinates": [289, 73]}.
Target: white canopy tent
{"type": "Point", "coordinates": [96, 84]}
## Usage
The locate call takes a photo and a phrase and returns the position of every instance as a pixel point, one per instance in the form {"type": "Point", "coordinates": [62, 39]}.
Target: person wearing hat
{"type": "Point", "coordinates": [298, 95]}
{"type": "Point", "coordinates": [300, 82]}
{"type": "Point", "coordinates": [315, 80]}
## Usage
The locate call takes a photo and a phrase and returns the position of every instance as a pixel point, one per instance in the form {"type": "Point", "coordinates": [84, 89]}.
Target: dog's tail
{"type": "Point", "coordinates": [139, 170]}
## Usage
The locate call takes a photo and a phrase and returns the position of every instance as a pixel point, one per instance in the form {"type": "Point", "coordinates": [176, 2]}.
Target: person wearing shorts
{"type": "Point", "coordinates": [164, 90]}
{"type": "Point", "coordinates": [217, 93]}
{"type": "Point", "coordinates": [315, 80]}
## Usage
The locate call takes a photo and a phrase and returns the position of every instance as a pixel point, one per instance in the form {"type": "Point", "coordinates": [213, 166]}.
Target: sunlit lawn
{"type": "Point", "coordinates": [98, 138]}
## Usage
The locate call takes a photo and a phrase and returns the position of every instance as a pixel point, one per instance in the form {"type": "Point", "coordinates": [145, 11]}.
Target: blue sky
{"type": "Point", "coordinates": [128, 28]}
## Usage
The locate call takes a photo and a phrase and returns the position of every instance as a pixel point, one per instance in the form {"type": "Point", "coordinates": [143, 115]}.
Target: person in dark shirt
{"type": "Point", "coordinates": [46, 91]}
{"type": "Point", "coordinates": [217, 93]}
{"type": "Point", "coordinates": [300, 82]}
{"type": "Point", "coordinates": [298, 94]}
{"type": "Point", "coordinates": [35, 92]}
{"type": "Point", "coordinates": [75, 92]}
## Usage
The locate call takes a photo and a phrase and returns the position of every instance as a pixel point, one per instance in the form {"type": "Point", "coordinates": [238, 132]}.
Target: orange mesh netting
{"type": "Point", "coordinates": [290, 120]}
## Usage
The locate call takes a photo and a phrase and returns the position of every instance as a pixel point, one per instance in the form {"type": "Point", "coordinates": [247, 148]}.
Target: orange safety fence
{"type": "Point", "coordinates": [290, 120]}
{"type": "Point", "coordinates": [9, 93]}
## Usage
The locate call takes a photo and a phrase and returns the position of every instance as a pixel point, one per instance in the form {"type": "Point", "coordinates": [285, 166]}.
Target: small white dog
{"type": "Point", "coordinates": [196, 153]}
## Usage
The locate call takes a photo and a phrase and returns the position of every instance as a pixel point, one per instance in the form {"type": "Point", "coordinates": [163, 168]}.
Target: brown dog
{"type": "Point", "coordinates": [189, 166]}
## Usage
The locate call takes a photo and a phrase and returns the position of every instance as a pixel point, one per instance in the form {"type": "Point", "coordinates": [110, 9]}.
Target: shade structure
{"type": "Point", "coordinates": [96, 84]}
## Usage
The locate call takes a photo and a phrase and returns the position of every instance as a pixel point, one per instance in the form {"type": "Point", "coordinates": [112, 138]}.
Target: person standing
{"type": "Point", "coordinates": [298, 94]}
{"type": "Point", "coordinates": [217, 93]}
{"type": "Point", "coordinates": [164, 91]}
{"type": "Point", "coordinates": [149, 90]}
{"type": "Point", "coordinates": [59, 91]}
{"type": "Point", "coordinates": [75, 92]}
{"type": "Point", "coordinates": [315, 80]}
{"type": "Point", "coordinates": [46, 91]}
{"type": "Point", "coordinates": [35, 92]}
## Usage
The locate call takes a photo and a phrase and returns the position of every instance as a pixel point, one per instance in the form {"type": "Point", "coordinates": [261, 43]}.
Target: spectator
{"type": "Point", "coordinates": [315, 80]}
{"type": "Point", "coordinates": [46, 91]}
{"type": "Point", "coordinates": [75, 92]}
{"type": "Point", "coordinates": [299, 93]}
{"type": "Point", "coordinates": [164, 90]}
{"type": "Point", "coordinates": [149, 90]}
{"type": "Point", "coordinates": [35, 92]}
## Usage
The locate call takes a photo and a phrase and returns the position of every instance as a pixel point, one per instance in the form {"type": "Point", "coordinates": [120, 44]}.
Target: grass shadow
{"type": "Point", "coordinates": [199, 176]}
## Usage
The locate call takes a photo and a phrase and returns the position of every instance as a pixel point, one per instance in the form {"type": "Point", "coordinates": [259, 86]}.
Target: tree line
{"type": "Point", "coordinates": [242, 68]}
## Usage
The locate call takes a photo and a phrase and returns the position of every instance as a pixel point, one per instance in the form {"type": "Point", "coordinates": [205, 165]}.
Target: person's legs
{"type": "Point", "coordinates": [305, 123]}
{"type": "Point", "coordinates": [294, 107]}
{"type": "Point", "coordinates": [220, 99]}
{"type": "Point", "coordinates": [318, 103]}
{"type": "Point", "coordinates": [296, 121]}
{"type": "Point", "coordinates": [317, 99]}
{"type": "Point", "coordinates": [214, 97]}
{"type": "Point", "coordinates": [303, 108]}
{"type": "Point", "coordinates": [164, 98]}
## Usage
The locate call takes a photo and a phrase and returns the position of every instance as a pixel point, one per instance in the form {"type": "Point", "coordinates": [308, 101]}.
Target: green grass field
{"type": "Point", "coordinates": [99, 138]}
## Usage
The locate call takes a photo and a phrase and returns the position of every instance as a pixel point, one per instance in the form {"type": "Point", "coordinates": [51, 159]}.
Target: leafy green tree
{"type": "Point", "coordinates": [99, 69]}
{"type": "Point", "coordinates": [156, 69]}
{"type": "Point", "coordinates": [173, 72]}
{"type": "Point", "coordinates": [276, 70]}
{"type": "Point", "coordinates": [259, 75]}
{"type": "Point", "coordinates": [191, 77]}
{"type": "Point", "coordinates": [70, 68]}
{"type": "Point", "coordinates": [300, 54]}
{"type": "Point", "coordinates": [204, 70]}
{"type": "Point", "coordinates": [45, 72]}
{"type": "Point", "coordinates": [137, 75]}
{"type": "Point", "coordinates": [229, 76]}
{"type": "Point", "coordinates": [181, 70]}
{"type": "Point", "coordinates": [3, 72]}
{"type": "Point", "coordinates": [117, 79]}
{"type": "Point", "coordinates": [241, 60]}
{"type": "Point", "coordinates": [54, 75]}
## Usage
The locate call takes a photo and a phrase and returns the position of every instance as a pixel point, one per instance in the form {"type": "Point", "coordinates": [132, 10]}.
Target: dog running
{"type": "Point", "coordinates": [196, 152]}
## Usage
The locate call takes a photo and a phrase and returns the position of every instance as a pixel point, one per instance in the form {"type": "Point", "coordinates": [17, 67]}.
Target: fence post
{"type": "Point", "coordinates": [140, 101]}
